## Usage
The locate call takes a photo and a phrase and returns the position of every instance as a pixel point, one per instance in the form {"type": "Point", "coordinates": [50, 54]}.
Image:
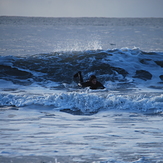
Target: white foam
{"type": "Point", "coordinates": [86, 101]}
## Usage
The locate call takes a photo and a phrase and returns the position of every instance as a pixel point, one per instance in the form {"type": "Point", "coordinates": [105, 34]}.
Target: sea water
{"type": "Point", "coordinates": [43, 112]}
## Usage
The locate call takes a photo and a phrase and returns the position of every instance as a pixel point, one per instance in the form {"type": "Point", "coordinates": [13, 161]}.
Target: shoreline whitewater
{"type": "Point", "coordinates": [108, 136]}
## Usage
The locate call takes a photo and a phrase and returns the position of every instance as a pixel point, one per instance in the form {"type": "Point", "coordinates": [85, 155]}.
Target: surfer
{"type": "Point", "coordinates": [92, 82]}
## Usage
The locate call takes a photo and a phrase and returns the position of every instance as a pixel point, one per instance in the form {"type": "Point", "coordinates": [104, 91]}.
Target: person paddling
{"type": "Point", "coordinates": [92, 83]}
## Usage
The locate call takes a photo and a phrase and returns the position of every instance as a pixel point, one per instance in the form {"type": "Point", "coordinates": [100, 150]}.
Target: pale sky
{"type": "Point", "coordinates": [82, 8]}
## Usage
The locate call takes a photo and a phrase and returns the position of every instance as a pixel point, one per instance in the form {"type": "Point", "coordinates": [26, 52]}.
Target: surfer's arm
{"type": "Point", "coordinates": [84, 84]}
{"type": "Point", "coordinates": [100, 86]}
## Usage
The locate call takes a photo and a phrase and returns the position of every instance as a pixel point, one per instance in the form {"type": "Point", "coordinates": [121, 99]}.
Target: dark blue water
{"type": "Point", "coordinates": [44, 112]}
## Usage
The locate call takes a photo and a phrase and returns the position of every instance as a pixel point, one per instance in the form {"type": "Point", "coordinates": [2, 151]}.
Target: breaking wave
{"type": "Point", "coordinates": [126, 73]}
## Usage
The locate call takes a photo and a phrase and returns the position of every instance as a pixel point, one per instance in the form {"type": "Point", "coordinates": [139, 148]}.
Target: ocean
{"type": "Point", "coordinates": [46, 117]}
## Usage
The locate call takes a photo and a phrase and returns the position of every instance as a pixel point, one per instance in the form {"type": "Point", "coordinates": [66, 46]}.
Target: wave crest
{"type": "Point", "coordinates": [88, 102]}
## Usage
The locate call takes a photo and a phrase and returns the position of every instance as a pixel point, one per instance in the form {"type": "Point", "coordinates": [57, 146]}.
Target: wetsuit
{"type": "Point", "coordinates": [98, 85]}
{"type": "Point", "coordinates": [88, 83]}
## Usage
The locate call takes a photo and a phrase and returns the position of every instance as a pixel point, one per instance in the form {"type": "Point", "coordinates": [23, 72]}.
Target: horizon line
{"type": "Point", "coordinates": [73, 16]}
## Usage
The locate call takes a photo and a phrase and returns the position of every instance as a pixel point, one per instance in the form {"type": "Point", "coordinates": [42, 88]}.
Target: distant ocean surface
{"type": "Point", "coordinates": [39, 56]}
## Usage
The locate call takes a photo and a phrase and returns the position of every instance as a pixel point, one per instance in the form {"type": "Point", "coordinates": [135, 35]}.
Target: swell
{"type": "Point", "coordinates": [107, 65]}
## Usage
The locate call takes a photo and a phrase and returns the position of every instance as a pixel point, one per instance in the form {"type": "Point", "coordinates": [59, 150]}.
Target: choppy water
{"type": "Point", "coordinates": [38, 59]}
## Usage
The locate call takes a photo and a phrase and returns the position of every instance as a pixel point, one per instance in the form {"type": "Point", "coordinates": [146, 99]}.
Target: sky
{"type": "Point", "coordinates": [82, 8]}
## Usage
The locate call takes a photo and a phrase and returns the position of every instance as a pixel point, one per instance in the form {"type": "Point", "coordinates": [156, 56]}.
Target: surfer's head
{"type": "Point", "coordinates": [93, 79]}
